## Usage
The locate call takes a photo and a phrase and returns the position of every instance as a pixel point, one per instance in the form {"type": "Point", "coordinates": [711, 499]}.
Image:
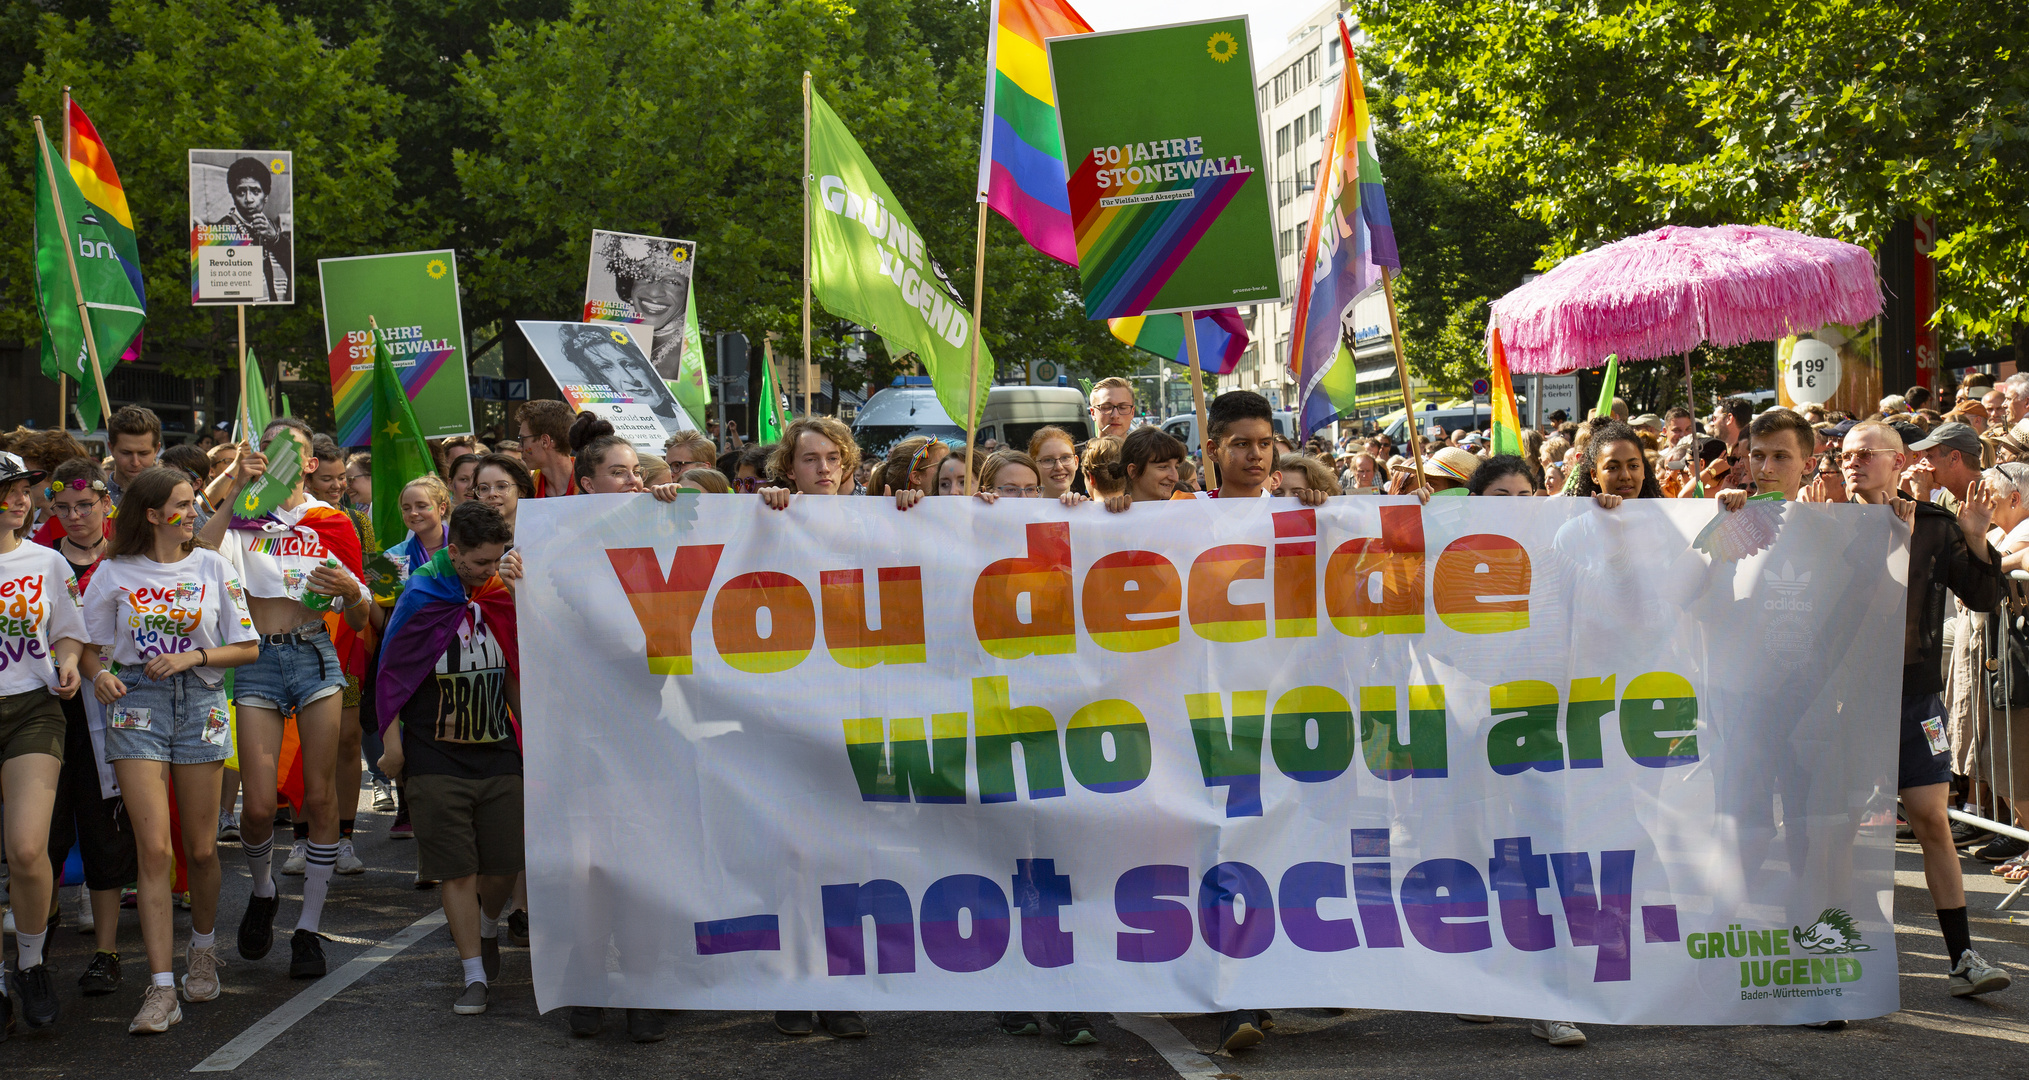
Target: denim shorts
{"type": "Point", "coordinates": [178, 719]}
{"type": "Point", "coordinates": [294, 669]}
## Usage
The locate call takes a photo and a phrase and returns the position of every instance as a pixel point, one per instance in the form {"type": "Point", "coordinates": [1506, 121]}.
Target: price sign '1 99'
{"type": "Point", "coordinates": [1812, 372]}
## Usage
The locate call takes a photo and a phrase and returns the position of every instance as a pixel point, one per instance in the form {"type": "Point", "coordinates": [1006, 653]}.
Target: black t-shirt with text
{"type": "Point", "coordinates": [458, 723]}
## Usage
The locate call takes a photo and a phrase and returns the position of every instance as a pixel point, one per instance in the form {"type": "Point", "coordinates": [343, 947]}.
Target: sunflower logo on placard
{"type": "Point", "coordinates": [436, 269]}
{"type": "Point", "coordinates": [619, 336]}
{"type": "Point", "coordinates": [276, 166]}
{"type": "Point", "coordinates": [1222, 47]}
{"type": "Point", "coordinates": [678, 254]}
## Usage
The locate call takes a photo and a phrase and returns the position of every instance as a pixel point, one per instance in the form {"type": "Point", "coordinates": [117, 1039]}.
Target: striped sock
{"type": "Point", "coordinates": [316, 881]}
{"type": "Point", "coordinates": [261, 860]}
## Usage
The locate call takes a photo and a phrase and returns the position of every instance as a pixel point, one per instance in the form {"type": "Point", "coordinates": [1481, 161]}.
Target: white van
{"type": "Point", "coordinates": [1011, 415]}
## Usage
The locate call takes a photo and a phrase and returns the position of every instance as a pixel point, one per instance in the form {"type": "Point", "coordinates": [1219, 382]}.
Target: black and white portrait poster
{"type": "Point", "coordinates": [242, 227]}
{"type": "Point", "coordinates": [644, 281]}
{"type": "Point", "coordinates": [598, 366]}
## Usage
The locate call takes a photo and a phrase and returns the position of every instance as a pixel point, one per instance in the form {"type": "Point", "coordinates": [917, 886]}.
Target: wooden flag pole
{"type": "Point", "coordinates": [972, 366]}
{"type": "Point", "coordinates": [1210, 470]}
{"type": "Point", "coordinates": [806, 242]}
{"type": "Point", "coordinates": [1402, 375]}
{"type": "Point", "coordinates": [77, 288]}
{"type": "Point", "coordinates": [246, 407]}
{"type": "Point", "coordinates": [62, 380]}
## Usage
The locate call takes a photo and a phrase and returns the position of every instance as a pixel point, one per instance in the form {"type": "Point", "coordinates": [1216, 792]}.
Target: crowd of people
{"type": "Point", "coordinates": [204, 641]}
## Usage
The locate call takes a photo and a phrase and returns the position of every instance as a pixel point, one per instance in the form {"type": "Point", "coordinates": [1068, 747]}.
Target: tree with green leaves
{"type": "Point", "coordinates": [1832, 117]}
{"type": "Point", "coordinates": [159, 77]}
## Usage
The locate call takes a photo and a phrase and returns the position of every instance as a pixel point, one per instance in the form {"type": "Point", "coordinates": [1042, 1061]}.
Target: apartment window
{"type": "Point", "coordinates": [1285, 191]}
{"type": "Point", "coordinates": [1332, 53]}
{"type": "Point", "coordinates": [1317, 120]}
{"type": "Point", "coordinates": [1289, 241]}
{"type": "Point", "coordinates": [1300, 129]}
{"type": "Point", "coordinates": [1282, 141]}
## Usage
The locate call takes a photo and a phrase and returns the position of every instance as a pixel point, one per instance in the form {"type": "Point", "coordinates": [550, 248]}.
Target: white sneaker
{"type": "Point", "coordinates": [80, 902]}
{"type": "Point", "coordinates": [7, 922]}
{"type": "Point", "coordinates": [299, 857]}
{"type": "Point", "coordinates": [228, 827]}
{"type": "Point", "coordinates": [1973, 975]}
{"type": "Point", "coordinates": [348, 863]}
{"type": "Point", "coordinates": [1557, 1032]}
{"type": "Point", "coordinates": [383, 796]}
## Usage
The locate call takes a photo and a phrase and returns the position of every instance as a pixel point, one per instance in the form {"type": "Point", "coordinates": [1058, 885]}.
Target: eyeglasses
{"type": "Point", "coordinates": [1115, 408]}
{"type": "Point", "coordinates": [74, 509]}
{"type": "Point", "coordinates": [1854, 457]}
{"type": "Point", "coordinates": [1012, 491]}
{"type": "Point", "coordinates": [1061, 461]}
{"type": "Point", "coordinates": [746, 485]}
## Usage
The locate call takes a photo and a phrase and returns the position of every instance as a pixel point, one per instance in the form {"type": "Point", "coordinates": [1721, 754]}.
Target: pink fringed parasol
{"type": "Point", "coordinates": [1666, 292]}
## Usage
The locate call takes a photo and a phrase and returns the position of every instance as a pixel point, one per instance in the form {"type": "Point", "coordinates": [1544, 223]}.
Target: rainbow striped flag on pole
{"type": "Point", "coordinates": [1222, 337]}
{"type": "Point", "coordinates": [1507, 429]}
{"type": "Point", "coordinates": [1349, 242]}
{"type": "Point", "coordinates": [1021, 155]}
{"type": "Point", "coordinates": [90, 166]}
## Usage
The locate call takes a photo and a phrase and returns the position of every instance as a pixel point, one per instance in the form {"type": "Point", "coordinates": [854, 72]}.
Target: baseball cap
{"type": "Point", "coordinates": [1647, 420]}
{"type": "Point", "coordinates": [1951, 435]}
{"type": "Point", "coordinates": [12, 468]}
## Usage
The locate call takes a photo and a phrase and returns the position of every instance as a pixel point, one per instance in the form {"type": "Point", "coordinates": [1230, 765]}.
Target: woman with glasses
{"type": "Point", "coordinates": [1056, 456]}
{"type": "Point", "coordinates": [501, 482]}
{"type": "Point", "coordinates": [1010, 474]}
{"type": "Point", "coordinates": [87, 795]}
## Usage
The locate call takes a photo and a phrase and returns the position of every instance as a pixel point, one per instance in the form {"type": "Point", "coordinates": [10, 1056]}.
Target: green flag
{"type": "Point", "coordinates": [399, 452]}
{"type": "Point", "coordinates": [285, 467]}
{"type": "Point", "coordinates": [768, 422]}
{"type": "Point", "coordinates": [285, 406]}
{"type": "Point", "coordinates": [255, 409]}
{"type": "Point", "coordinates": [63, 216]}
{"type": "Point", "coordinates": [1607, 388]}
{"type": "Point", "coordinates": [868, 264]}
{"type": "Point", "coordinates": [692, 389]}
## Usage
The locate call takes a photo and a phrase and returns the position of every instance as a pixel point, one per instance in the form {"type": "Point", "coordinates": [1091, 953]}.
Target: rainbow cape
{"type": "Point", "coordinates": [1507, 429]}
{"type": "Point", "coordinates": [1222, 337]}
{"type": "Point", "coordinates": [432, 608]}
{"type": "Point", "coordinates": [1350, 240]}
{"type": "Point", "coordinates": [1021, 155]}
{"type": "Point", "coordinates": [327, 523]}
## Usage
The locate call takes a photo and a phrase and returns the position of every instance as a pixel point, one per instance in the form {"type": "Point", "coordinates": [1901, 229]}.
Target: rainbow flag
{"type": "Point", "coordinates": [91, 165]}
{"type": "Point", "coordinates": [1349, 242]}
{"type": "Point", "coordinates": [433, 607]}
{"type": "Point", "coordinates": [1222, 337]}
{"type": "Point", "coordinates": [1021, 155]}
{"type": "Point", "coordinates": [1507, 429]}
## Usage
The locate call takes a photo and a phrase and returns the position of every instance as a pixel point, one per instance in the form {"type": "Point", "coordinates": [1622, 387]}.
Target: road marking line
{"type": "Point", "coordinates": [1985, 1027]}
{"type": "Point", "coordinates": [1166, 1040]}
{"type": "Point", "coordinates": [249, 1042]}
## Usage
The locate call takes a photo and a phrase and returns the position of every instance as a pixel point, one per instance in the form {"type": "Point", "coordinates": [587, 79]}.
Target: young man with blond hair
{"type": "Point", "coordinates": [1112, 407]}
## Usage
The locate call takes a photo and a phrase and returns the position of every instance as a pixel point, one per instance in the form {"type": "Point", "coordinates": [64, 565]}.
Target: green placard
{"type": "Point", "coordinates": [1168, 190]}
{"type": "Point", "coordinates": [414, 297]}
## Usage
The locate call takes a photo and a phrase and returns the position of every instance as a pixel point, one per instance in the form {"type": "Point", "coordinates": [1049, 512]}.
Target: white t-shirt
{"type": "Point", "coordinates": [277, 559]}
{"type": "Point", "coordinates": [140, 609]}
{"type": "Point", "coordinates": [38, 608]}
{"type": "Point", "coordinates": [2016, 538]}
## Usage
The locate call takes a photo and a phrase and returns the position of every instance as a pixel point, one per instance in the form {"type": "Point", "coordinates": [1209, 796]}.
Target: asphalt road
{"type": "Point", "coordinates": [396, 1021]}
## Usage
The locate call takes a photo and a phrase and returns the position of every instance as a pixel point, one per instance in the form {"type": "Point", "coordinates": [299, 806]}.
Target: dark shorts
{"type": "Point", "coordinates": [31, 722]}
{"type": "Point", "coordinates": [1922, 765]}
{"type": "Point", "coordinates": [83, 817]}
{"type": "Point", "coordinates": [465, 827]}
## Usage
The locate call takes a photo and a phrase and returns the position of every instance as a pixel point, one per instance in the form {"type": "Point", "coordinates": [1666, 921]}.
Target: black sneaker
{"type": "Point", "coordinates": [1966, 835]}
{"type": "Point", "coordinates": [1017, 1023]}
{"type": "Point", "coordinates": [843, 1025]}
{"type": "Point", "coordinates": [795, 1023]}
{"type": "Point", "coordinates": [517, 929]}
{"type": "Point", "coordinates": [1073, 1029]}
{"type": "Point", "coordinates": [2001, 849]}
{"type": "Point", "coordinates": [257, 926]}
{"type": "Point", "coordinates": [647, 1025]}
{"type": "Point", "coordinates": [586, 1021]}
{"type": "Point", "coordinates": [306, 955]}
{"type": "Point", "coordinates": [489, 957]}
{"type": "Point", "coordinates": [39, 1007]}
{"type": "Point", "coordinates": [1239, 1031]}
{"type": "Point", "coordinates": [102, 975]}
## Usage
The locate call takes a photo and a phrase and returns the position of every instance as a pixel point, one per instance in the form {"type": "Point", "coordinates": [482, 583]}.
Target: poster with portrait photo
{"type": "Point", "coordinates": [643, 280]}
{"type": "Point", "coordinates": [242, 227]}
{"type": "Point", "coordinates": [599, 366]}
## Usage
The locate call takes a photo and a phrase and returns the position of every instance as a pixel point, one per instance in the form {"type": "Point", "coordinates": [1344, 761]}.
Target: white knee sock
{"type": "Point", "coordinates": [261, 860]}
{"type": "Point", "coordinates": [316, 882]}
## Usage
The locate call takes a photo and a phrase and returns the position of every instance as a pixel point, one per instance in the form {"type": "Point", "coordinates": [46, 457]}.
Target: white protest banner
{"type": "Point", "coordinates": [1521, 757]}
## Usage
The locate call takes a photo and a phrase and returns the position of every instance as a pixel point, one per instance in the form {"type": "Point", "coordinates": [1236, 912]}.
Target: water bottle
{"type": "Point", "coordinates": [317, 601]}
